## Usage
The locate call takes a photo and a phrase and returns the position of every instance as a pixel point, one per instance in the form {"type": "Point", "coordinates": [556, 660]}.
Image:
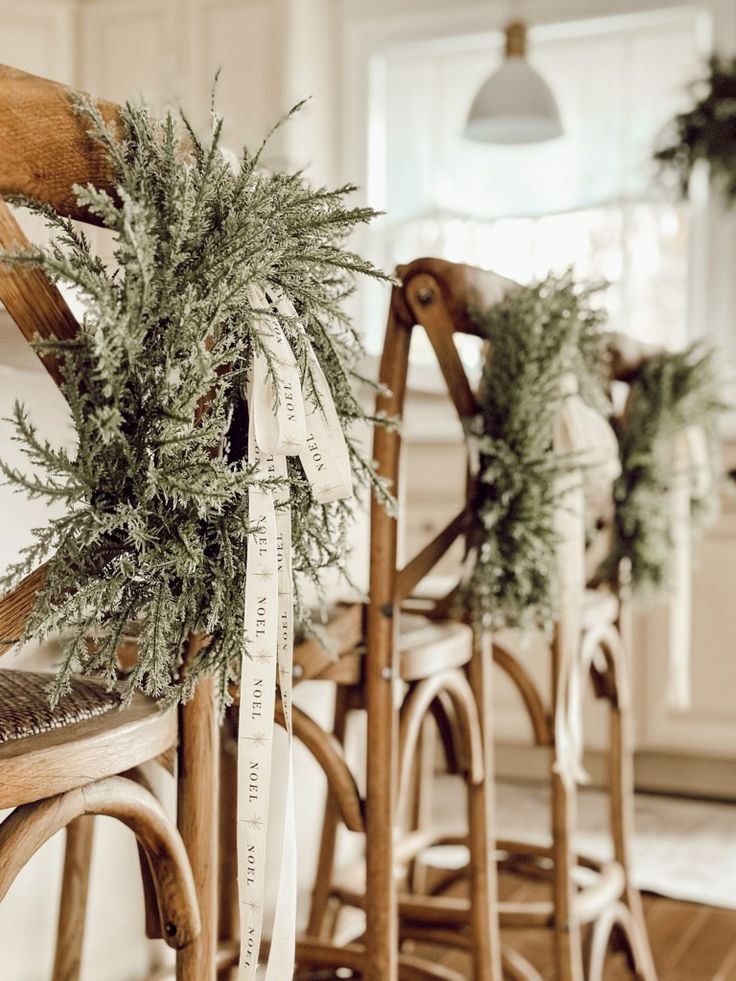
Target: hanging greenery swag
{"type": "Point", "coordinates": [155, 491]}
{"type": "Point", "coordinates": [707, 131]}
{"type": "Point", "coordinates": [672, 391]}
{"type": "Point", "coordinates": [536, 336]}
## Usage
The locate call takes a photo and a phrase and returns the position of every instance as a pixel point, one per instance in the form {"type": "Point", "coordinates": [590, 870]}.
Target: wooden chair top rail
{"type": "Point", "coordinates": [442, 297]}
{"type": "Point", "coordinates": [44, 151]}
{"type": "Point", "coordinates": [464, 290]}
{"type": "Point", "coordinates": [46, 148]}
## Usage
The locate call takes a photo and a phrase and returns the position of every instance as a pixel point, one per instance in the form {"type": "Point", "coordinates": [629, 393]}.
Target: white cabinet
{"type": "Point", "coordinates": [709, 725]}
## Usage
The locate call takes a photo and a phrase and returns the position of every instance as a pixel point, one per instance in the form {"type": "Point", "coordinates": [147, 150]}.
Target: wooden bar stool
{"type": "Point", "coordinates": [440, 295]}
{"type": "Point", "coordinates": [441, 672]}
{"type": "Point", "coordinates": [84, 760]}
{"type": "Point", "coordinates": [408, 673]}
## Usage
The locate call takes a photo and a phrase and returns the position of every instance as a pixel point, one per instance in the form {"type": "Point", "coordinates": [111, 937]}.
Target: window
{"type": "Point", "coordinates": [589, 200]}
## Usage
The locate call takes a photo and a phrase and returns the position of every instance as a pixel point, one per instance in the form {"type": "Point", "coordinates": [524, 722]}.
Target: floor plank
{"type": "Point", "coordinates": [689, 942]}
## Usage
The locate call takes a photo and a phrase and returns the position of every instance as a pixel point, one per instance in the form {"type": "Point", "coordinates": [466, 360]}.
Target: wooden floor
{"type": "Point", "coordinates": [689, 942]}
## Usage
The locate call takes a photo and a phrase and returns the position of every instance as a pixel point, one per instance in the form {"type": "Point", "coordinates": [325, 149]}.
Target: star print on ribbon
{"type": "Point", "coordinates": [288, 416]}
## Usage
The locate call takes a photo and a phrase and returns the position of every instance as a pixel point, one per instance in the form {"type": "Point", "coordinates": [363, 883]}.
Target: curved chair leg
{"type": "Point", "coordinates": [318, 925]}
{"type": "Point", "coordinates": [422, 797]}
{"type": "Point", "coordinates": [28, 827]}
{"type": "Point", "coordinates": [597, 941]}
{"type": "Point", "coordinates": [468, 703]}
{"type": "Point", "coordinates": [622, 820]}
{"type": "Point", "coordinates": [73, 903]}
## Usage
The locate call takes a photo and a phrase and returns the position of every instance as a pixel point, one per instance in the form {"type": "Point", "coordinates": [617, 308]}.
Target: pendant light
{"type": "Point", "coordinates": [514, 105]}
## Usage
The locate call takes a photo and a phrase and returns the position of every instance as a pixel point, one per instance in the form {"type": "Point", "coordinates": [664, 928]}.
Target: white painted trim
{"type": "Point", "coordinates": [678, 773]}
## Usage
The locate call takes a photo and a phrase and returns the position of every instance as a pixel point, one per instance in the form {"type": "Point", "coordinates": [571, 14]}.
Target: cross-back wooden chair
{"type": "Point", "coordinates": [378, 650]}
{"type": "Point", "coordinates": [59, 768]}
{"type": "Point", "coordinates": [404, 671]}
{"type": "Point", "coordinates": [439, 295]}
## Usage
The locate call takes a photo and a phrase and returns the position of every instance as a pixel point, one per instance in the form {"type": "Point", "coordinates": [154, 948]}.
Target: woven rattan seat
{"type": "Point", "coordinates": [25, 709]}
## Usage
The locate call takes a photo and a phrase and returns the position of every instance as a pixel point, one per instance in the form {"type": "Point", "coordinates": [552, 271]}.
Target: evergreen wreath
{"type": "Point", "coordinates": [537, 335]}
{"type": "Point", "coordinates": [673, 390]}
{"type": "Point", "coordinates": [707, 131]}
{"type": "Point", "coordinates": [156, 519]}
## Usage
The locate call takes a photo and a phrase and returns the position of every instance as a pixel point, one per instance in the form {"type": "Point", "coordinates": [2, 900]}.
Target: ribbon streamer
{"type": "Point", "coordinates": [580, 430]}
{"type": "Point", "coordinates": [325, 455]}
{"type": "Point", "coordinates": [288, 416]}
{"type": "Point", "coordinates": [690, 480]}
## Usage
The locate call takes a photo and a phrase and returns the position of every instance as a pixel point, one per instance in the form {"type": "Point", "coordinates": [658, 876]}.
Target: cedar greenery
{"type": "Point", "coordinates": [707, 131]}
{"type": "Point", "coordinates": [536, 336]}
{"type": "Point", "coordinates": [155, 524]}
{"type": "Point", "coordinates": [671, 392]}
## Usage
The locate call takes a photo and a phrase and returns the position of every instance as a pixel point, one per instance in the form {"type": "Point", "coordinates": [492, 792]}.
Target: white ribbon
{"type": "Point", "coordinates": [690, 480]}
{"type": "Point", "coordinates": [287, 417]}
{"type": "Point", "coordinates": [257, 704]}
{"type": "Point", "coordinates": [579, 430]}
{"type": "Point", "coordinates": [325, 455]}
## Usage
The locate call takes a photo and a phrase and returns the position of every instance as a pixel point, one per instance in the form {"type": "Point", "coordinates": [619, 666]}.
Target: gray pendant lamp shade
{"type": "Point", "coordinates": [514, 105]}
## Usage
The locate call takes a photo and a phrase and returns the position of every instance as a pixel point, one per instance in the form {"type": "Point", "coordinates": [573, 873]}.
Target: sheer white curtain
{"type": "Point", "coordinates": [590, 199]}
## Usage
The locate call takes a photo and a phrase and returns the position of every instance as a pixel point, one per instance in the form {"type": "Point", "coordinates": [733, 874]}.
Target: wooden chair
{"type": "Point", "coordinates": [375, 649]}
{"type": "Point", "coordinates": [59, 769]}
{"type": "Point", "coordinates": [438, 295]}
{"type": "Point", "coordinates": [377, 652]}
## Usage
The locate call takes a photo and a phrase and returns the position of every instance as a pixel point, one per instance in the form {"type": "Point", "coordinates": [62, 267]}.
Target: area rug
{"type": "Point", "coordinates": [684, 849]}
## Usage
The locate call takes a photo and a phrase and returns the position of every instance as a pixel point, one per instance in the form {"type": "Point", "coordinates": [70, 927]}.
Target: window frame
{"type": "Point", "coordinates": [369, 29]}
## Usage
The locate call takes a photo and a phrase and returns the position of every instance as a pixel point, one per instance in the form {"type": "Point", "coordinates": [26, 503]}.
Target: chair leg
{"type": "Point", "coordinates": [381, 934]}
{"type": "Point", "coordinates": [73, 904]}
{"type": "Point", "coordinates": [197, 820]}
{"type": "Point", "coordinates": [228, 913]}
{"type": "Point", "coordinates": [423, 797]}
{"type": "Point", "coordinates": [622, 813]}
{"type": "Point", "coordinates": [567, 936]}
{"type": "Point", "coordinates": [568, 947]}
{"type": "Point", "coordinates": [28, 827]}
{"type": "Point", "coordinates": [318, 925]}
{"type": "Point", "coordinates": [481, 827]}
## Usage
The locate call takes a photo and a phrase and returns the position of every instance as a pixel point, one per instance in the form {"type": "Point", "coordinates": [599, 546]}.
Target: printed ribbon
{"type": "Point", "coordinates": [579, 430]}
{"type": "Point", "coordinates": [286, 417]}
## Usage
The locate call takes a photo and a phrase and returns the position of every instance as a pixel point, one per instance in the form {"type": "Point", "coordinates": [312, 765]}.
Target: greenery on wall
{"type": "Point", "coordinates": [707, 131]}
{"type": "Point", "coordinates": [672, 391]}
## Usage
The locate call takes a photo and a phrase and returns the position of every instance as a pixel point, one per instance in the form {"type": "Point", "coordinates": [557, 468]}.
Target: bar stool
{"type": "Point", "coordinates": [409, 673]}
{"type": "Point", "coordinates": [584, 893]}
{"type": "Point", "coordinates": [58, 769]}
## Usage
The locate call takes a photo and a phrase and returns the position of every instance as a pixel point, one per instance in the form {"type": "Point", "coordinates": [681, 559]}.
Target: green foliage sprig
{"type": "Point", "coordinates": [671, 392]}
{"type": "Point", "coordinates": [707, 131]}
{"type": "Point", "coordinates": [536, 336]}
{"type": "Point", "coordinates": [155, 523]}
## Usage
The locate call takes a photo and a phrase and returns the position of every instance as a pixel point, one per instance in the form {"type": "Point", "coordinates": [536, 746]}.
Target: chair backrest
{"type": "Point", "coordinates": [440, 296]}
{"type": "Point", "coordinates": [437, 295]}
{"type": "Point", "coordinates": [44, 152]}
